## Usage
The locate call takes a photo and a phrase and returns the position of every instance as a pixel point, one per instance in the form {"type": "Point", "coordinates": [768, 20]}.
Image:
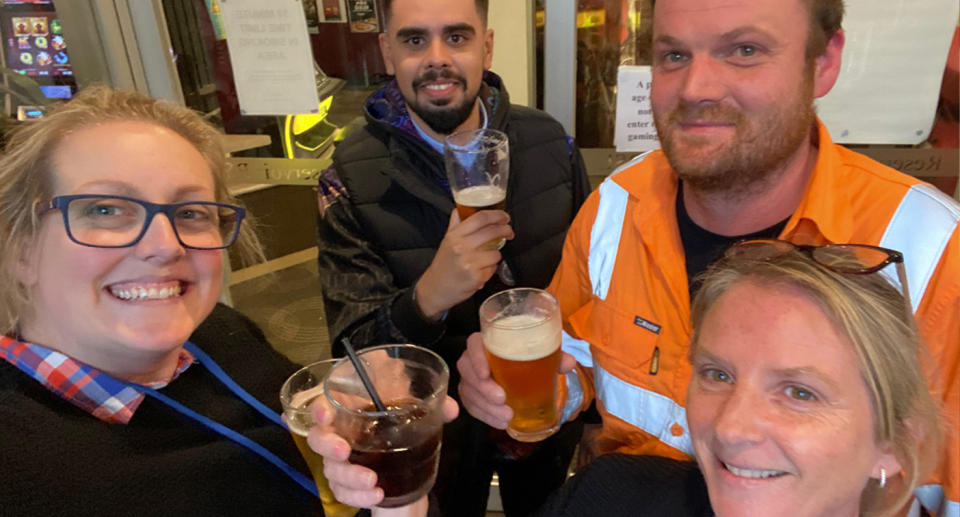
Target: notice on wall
{"type": "Point", "coordinates": [634, 129]}
{"type": "Point", "coordinates": [332, 11]}
{"type": "Point", "coordinates": [271, 56]}
{"type": "Point", "coordinates": [363, 16]}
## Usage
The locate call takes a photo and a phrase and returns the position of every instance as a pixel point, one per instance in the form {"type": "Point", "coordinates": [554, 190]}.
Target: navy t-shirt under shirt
{"type": "Point", "coordinates": [703, 247]}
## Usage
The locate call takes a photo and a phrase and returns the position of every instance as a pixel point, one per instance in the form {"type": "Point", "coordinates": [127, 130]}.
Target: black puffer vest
{"type": "Point", "coordinates": [404, 212]}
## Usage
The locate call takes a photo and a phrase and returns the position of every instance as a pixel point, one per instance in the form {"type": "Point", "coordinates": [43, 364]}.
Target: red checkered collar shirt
{"type": "Point", "coordinates": [84, 386]}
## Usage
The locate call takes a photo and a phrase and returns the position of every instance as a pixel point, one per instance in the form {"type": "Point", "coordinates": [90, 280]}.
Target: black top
{"type": "Point", "coordinates": [377, 240]}
{"type": "Point", "coordinates": [636, 486]}
{"type": "Point", "coordinates": [703, 247]}
{"type": "Point", "coordinates": [59, 460]}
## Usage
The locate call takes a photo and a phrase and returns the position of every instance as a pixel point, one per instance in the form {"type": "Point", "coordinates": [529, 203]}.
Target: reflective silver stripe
{"type": "Point", "coordinates": [574, 395]}
{"type": "Point", "coordinates": [605, 233]}
{"type": "Point", "coordinates": [644, 409]}
{"type": "Point", "coordinates": [920, 229]}
{"type": "Point", "coordinates": [932, 497]}
{"type": "Point", "coordinates": [605, 236]}
{"type": "Point", "coordinates": [578, 348]}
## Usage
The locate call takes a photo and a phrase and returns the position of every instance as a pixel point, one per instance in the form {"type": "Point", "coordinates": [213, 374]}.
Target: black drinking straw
{"type": "Point", "coordinates": [362, 372]}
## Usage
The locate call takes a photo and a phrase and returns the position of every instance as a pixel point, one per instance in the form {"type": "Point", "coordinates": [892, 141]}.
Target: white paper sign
{"type": "Point", "coordinates": [271, 57]}
{"type": "Point", "coordinates": [893, 63]}
{"type": "Point", "coordinates": [634, 129]}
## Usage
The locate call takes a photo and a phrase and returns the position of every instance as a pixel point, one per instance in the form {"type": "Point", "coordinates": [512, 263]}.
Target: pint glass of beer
{"type": "Point", "coordinates": [521, 336]}
{"type": "Point", "coordinates": [401, 444]}
{"type": "Point", "coordinates": [478, 164]}
{"type": "Point", "coordinates": [296, 395]}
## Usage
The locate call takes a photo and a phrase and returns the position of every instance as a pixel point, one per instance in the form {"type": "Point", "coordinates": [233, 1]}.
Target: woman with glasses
{"type": "Point", "coordinates": [808, 399]}
{"type": "Point", "coordinates": [114, 213]}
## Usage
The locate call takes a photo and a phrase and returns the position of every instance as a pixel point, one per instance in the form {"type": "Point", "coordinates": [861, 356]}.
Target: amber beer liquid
{"type": "Point", "coordinates": [485, 197]}
{"type": "Point", "coordinates": [524, 356]}
{"type": "Point", "coordinates": [299, 430]}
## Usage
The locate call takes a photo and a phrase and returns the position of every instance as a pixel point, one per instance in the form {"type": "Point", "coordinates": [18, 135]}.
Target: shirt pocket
{"type": "Point", "coordinates": [622, 343]}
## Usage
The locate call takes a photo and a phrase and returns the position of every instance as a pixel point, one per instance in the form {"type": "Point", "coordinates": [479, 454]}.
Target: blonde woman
{"type": "Point", "coordinates": [807, 398]}
{"type": "Point", "coordinates": [114, 213]}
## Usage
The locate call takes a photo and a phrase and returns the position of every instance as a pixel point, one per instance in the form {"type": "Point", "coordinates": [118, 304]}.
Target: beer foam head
{"type": "Point", "coordinates": [524, 337]}
{"type": "Point", "coordinates": [481, 196]}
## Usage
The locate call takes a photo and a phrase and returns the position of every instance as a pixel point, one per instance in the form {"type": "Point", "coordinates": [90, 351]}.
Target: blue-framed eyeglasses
{"type": "Point", "coordinates": [103, 221]}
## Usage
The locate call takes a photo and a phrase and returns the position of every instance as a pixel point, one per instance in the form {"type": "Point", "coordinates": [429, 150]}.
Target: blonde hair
{"type": "Point", "coordinates": [27, 174]}
{"type": "Point", "coordinates": [877, 320]}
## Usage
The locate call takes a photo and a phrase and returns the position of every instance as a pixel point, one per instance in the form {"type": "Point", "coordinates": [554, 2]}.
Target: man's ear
{"type": "Point", "coordinates": [488, 49]}
{"type": "Point", "coordinates": [387, 52]}
{"type": "Point", "coordinates": [827, 65]}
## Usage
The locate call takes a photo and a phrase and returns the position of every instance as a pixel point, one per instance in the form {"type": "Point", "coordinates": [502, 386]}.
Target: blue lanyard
{"type": "Point", "coordinates": [204, 359]}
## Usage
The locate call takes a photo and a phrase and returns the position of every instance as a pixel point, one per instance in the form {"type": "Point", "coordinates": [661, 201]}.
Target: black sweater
{"type": "Point", "coordinates": [616, 485]}
{"type": "Point", "coordinates": [55, 459]}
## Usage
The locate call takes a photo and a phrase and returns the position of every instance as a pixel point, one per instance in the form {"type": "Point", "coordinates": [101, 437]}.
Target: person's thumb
{"type": "Point", "coordinates": [454, 219]}
{"type": "Point", "coordinates": [321, 411]}
{"type": "Point", "coordinates": [567, 362]}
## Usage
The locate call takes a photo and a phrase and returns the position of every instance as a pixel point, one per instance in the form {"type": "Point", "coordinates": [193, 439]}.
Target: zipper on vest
{"type": "Point", "coordinates": [655, 361]}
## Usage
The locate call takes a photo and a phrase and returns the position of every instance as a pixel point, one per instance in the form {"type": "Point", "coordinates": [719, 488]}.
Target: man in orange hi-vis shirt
{"type": "Point", "coordinates": [744, 157]}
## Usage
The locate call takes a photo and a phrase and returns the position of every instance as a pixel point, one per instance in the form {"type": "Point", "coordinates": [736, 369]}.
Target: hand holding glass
{"type": "Point", "coordinates": [478, 166]}
{"type": "Point", "coordinates": [401, 444]}
{"type": "Point", "coordinates": [296, 396]}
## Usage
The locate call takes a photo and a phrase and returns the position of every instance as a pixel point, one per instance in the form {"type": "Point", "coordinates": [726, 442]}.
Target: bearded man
{"type": "Point", "coordinates": [393, 249]}
{"type": "Point", "coordinates": [744, 157]}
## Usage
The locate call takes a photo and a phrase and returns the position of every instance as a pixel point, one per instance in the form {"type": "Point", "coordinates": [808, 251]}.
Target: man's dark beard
{"type": "Point", "coordinates": [442, 118]}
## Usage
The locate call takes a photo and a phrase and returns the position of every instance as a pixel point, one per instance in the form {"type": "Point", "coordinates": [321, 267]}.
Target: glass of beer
{"type": "Point", "coordinates": [401, 444]}
{"type": "Point", "coordinates": [296, 395]}
{"type": "Point", "coordinates": [478, 165]}
{"type": "Point", "coordinates": [521, 336]}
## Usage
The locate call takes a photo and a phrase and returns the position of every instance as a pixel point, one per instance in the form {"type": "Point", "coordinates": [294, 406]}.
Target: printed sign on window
{"type": "Point", "coordinates": [634, 131]}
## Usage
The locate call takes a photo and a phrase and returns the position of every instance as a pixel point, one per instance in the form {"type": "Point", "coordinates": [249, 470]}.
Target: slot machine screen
{"type": "Point", "coordinates": [35, 45]}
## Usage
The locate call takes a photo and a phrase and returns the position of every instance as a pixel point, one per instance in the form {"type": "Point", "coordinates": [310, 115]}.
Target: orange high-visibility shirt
{"type": "Point", "coordinates": [622, 286]}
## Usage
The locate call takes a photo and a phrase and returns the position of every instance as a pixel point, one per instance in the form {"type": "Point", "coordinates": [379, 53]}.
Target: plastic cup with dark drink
{"type": "Point", "coordinates": [478, 166]}
{"type": "Point", "coordinates": [401, 444]}
{"type": "Point", "coordinates": [296, 395]}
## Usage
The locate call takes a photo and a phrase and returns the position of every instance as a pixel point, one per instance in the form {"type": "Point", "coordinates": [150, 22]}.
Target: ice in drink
{"type": "Point", "coordinates": [402, 443]}
{"type": "Point", "coordinates": [406, 471]}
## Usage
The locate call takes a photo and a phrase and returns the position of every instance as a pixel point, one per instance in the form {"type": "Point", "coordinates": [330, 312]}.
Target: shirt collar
{"type": "Point", "coordinates": [824, 211]}
{"type": "Point", "coordinates": [823, 215]}
{"type": "Point", "coordinates": [438, 145]}
{"type": "Point", "coordinates": [97, 393]}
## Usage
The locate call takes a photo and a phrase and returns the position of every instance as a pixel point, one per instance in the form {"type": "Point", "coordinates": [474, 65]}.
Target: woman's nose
{"type": "Point", "coordinates": [160, 241]}
{"type": "Point", "coordinates": [739, 419]}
